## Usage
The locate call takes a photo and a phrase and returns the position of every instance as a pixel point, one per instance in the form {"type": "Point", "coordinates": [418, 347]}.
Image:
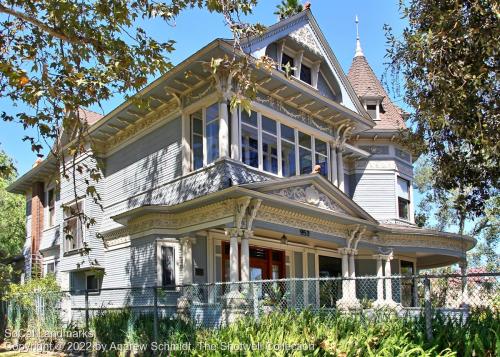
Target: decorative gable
{"type": "Point", "coordinates": [306, 37]}
{"type": "Point", "coordinates": [302, 31]}
{"type": "Point", "coordinates": [309, 195]}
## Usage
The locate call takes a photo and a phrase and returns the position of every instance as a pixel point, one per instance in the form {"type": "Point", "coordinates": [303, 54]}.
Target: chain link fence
{"type": "Point", "coordinates": [214, 305]}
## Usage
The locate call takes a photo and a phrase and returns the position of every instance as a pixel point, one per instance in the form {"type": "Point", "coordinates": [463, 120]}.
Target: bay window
{"type": "Point", "coordinates": [204, 136]}
{"type": "Point", "coordinates": [288, 165]}
{"type": "Point", "coordinates": [212, 132]}
{"type": "Point", "coordinates": [249, 139]}
{"type": "Point", "coordinates": [403, 188]}
{"type": "Point", "coordinates": [269, 145]}
{"type": "Point", "coordinates": [197, 139]}
{"type": "Point", "coordinates": [321, 150]}
{"type": "Point", "coordinates": [305, 153]}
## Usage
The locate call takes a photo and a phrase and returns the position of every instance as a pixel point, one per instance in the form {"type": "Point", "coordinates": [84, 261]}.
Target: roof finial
{"type": "Point", "coordinates": [359, 51]}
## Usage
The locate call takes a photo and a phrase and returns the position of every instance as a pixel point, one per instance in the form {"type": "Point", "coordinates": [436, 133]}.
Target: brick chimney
{"type": "Point", "coordinates": [37, 206]}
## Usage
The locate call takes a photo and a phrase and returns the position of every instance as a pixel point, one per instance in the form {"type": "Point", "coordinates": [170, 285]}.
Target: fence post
{"type": "Point", "coordinates": [428, 308]}
{"type": "Point", "coordinates": [155, 315]}
{"type": "Point", "coordinates": [86, 310]}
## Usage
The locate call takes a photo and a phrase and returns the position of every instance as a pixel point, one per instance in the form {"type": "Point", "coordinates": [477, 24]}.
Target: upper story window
{"type": "Point", "coordinates": [287, 60]}
{"type": "Point", "coordinates": [403, 198]}
{"type": "Point", "coordinates": [51, 198]}
{"type": "Point", "coordinates": [73, 227]}
{"type": "Point", "coordinates": [264, 140]}
{"type": "Point", "coordinates": [288, 162]}
{"type": "Point", "coordinates": [205, 125]}
{"type": "Point", "coordinates": [305, 74]}
{"type": "Point", "coordinates": [372, 110]}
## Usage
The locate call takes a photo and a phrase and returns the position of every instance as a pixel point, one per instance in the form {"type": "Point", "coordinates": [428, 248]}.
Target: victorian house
{"type": "Point", "coordinates": [311, 183]}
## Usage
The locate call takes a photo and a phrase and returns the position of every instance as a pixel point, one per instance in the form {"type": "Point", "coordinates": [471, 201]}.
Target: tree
{"type": "Point", "coordinates": [58, 57]}
{"type": "Point", "coordinates": [438, 210]}
{"type": "Point", "coordinates": [288, 8]}
{"type": "Point", "coordinates": [12, 221]}
{"type": "Point", "coordinates": [448, 60]}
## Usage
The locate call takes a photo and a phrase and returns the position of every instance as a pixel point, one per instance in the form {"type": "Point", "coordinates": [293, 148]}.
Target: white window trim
{"type": "Point", "coordinates": [46, 262]}
{"type": "Point", "coordinates": [47, 225]}
{"type": "Point", "coordinates": [377, 105]}
{"type": "Point", "coordinates": [177, 256]}
{"type": "Point", "coordinates": [411, 217]}
{"type": "Point", "coordinates": [84, 227]}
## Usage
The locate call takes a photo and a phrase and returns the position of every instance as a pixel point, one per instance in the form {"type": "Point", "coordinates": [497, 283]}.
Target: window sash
{"type": "Point", "coordinates": [168, 266]}
{"type": "Point", "coordinates": [403, 188]}
{"type": "Point", "coordinates": [74, 225]}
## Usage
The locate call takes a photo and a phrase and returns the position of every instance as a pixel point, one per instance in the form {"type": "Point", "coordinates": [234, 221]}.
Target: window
{"type": "Point", "coordinates": [269, 145]}
{"type": "Point", "coordinates": [50, 268]}
{"type": "Point", "coordinates": [305, 74]}
{"type": "Point", "coordinates": [168, 266]}
{"type": "Point", "coordinates": [403, 198]}
{"type": "Point", "coordinates": [305, 153]}
{"type": "Point", "coordinates": [197, 139]}
{"type": "Point", "coordinates": [372, 110]}
{"type": "Point", "coordinates": [287, 60]}
{"type": "Point", "coordinates": [288, 151]}
{"type": "Point", "coordinates": [92, 282]}
{"type": "Point", "coordinates": [73, 227]}
{"type": "Point", "coordinates": [212, 132]}
{"type": "Point", "coordinates": [321, 150]}
{"type": "Point", "coordinates": [52, 206]}
{"type": "Point", "coordinates": [249, 139]}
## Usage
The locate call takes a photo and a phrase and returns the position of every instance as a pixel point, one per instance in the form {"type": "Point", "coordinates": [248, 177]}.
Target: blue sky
{"type": "Point", "coordinates": [195, 28]}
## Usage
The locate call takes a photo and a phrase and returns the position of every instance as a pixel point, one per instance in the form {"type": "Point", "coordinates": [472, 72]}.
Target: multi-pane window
{"type": "Point", "coordinates": [321, 150]}
{"type": "Point", "coordinates": [403, 198]}
{"type": "Point", "coordinates": [249, 139]}
{"type": "Point", "coordinates": [305, 74]}
{"type": "Point", "coordinates": [288, 151]}
{"type": "Point", "coordinates": [212, 132]}
{"type": "Point", "coordinates": [51, 205]}
{"type": "Point", "coordinates": [50, 268]}
{"type": "Point", "coordinates": [269, 145]}
{"type": "Point", "coordinates": [205, 136]}
{"type": "Point", "coordinates": [305, 153]}
{"type": "Point", "coordinates": [197, 139]}
{"type": "Point", "coordinates": [168, 266]}
{"type": "Point", "coordinates": [73, 227]}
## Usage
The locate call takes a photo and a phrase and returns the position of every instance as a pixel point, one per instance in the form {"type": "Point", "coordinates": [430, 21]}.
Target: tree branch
{"type": "Point", "coordinates": [42, 26]}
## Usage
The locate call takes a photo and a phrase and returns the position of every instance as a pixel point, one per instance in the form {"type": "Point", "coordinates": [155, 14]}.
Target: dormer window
{"type": "Point", "coordinates": [287, 60]}
{"type": "Point", "coordinates": [305, 74]}
{"type": "Point", "coordinates": [372, 110]}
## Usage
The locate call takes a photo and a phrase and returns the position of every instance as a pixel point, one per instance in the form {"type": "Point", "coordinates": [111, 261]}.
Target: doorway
{"type": "Point", "coordinates": [265, 263]}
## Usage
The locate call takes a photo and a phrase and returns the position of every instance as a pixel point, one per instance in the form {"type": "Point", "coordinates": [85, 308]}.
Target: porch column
{"type": "Point", "coordinates": [187, 248]}
{"type": "Point", "coordinates": [340, 169]}
{"type": "Point", "coordinates": [465, 288]}
{"type": "Point", "coordinates": [245, 255]}
{"type": "Point", "coordinates": [233, 257]}
{"type": "Point", "coordinates": [352, 273]}
{"type": "Point", "coordinates": [345, 271]}
{"type": "Point", "coordinates": [388, 282]}
{"type": "Point", "coordinates": [235, 135]}
{"type": "Point", "coordinates": [223, 129]}
{"type": "Point", "coordinates": [380, 280]}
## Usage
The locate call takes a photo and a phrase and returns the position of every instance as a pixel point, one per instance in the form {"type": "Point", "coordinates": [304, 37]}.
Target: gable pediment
{"type": "Point", "coordinates": [309, 195]}
{"type": "Point", "coordinates": [305, 32]}
{"type": "Point", "coordinates": [312, 191]}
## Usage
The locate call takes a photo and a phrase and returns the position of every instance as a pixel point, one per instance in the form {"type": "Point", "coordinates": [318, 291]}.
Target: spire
{"type": "Point", "coordinates": [359, 51]}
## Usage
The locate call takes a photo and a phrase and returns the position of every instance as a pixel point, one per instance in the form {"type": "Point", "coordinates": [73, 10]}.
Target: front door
{"type": "Point", "coordinates": [407, 284]}
{"type": "Point", "coordinates": [264, 263]}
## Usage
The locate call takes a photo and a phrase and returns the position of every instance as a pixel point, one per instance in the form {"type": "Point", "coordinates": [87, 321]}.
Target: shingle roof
{"type": "Point", "coordinates": [366, 83]}
{"type": "Point", "coordinates": [90, 116]}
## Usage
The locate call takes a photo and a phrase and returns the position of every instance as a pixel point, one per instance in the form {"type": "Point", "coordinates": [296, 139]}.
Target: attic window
{"type": "Point", "coordinates": [286, 59]}
{"type": "Point", "coordinates": [305, 74]}
{"type": "Point", "coordinates": [372, 110]}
